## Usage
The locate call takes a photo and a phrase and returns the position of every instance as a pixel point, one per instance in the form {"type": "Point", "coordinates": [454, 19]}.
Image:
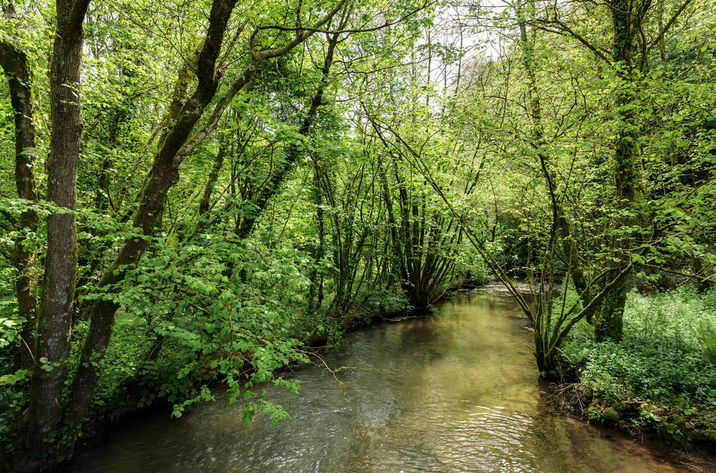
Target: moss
{"type": "Point", "coordinates": [679, 420]}
{"type": "Point", "coordinates": [670, 428]}
{"type": "Point", "coordinates": [710, 435]}
{"type": "Point", "coordinates": [610, 414]}
{"type": "Point", "coordinates": [680, 401]}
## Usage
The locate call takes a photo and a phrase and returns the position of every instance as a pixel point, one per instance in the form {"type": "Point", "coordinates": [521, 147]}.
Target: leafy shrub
{"type": "Point", "coordinates": [707, 329]}
{"type": "Point", "coordinates": [681, 316]}
{"type": "Point", "coordinates": [648, 369]}
{"type": "Point", "coordinates": [661, 354]}
{"type": "Point", "coordinates": [9, 321]}
{"type": "Point", "coordinates": [381, 301]}
{"type": "Point", "coordinates": [707, 338]}
{"type": "Point", "coordinates": [125, 354]}
{"type": "Point", "coordinates": [220, 309]}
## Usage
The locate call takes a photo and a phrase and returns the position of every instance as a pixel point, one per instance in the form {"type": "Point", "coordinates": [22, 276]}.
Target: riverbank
{"type": "Point", "coordinates": [658, 383]}
{"type": "Point", "coordinates": [571, 399]}
{"type": "Point", "coordinates": [628, 418]}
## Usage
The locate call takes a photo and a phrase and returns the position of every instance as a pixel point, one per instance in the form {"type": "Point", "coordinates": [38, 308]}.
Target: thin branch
{"type": "Point", "coordinates": [567, 31]}
{"type": "Point", "coordinates": [670, 22]}
{"type": "Point", "coordinates": [680, 273]}
{"type": "Point", "coordinates": [348, 30]}
{"type": "Point", "coordinates": [30, 352]}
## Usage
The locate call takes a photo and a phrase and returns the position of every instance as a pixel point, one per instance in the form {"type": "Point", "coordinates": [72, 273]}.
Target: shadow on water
{"type": "Point", "coordinates": [457, 392]}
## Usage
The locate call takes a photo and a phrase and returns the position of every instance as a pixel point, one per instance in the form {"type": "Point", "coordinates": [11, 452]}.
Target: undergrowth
{"type": "Point", "coordinates": [662, 375]}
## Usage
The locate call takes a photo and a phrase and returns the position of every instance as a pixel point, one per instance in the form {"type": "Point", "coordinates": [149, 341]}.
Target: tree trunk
{"type": "Point", "coordinates": [175, 145]}
{"type": "Point", "coordinates": [205, 203]}
{"type": "Point", "coordinates": [293, 153]}
{"type": "Point", "coordinates": [610, 321]}
{"type": "Point", "coordinates": [626, 20]}
{"type": "Point", "coordinates": [14, 63]}
{"type": "Point", "coordinates": [53, 334]}
{"type": "Point", "coordinates": [103, 198]}
{"type": "Point", "coordinates": [320, 250]}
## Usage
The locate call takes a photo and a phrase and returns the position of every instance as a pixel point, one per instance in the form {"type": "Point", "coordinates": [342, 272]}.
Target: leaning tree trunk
{"type": "Point", "coordinates": [14, 63]}
{"type": "Point", "coordinates": [205, 203]}
{"type": "Point", "coordinates": [175, 145]}
{"type": "Point", "coordinates": [53, 330]}
{"type": "Point", "coordinates": [163, 175]}
{"type": "Point", "coordinates": [293, 153]}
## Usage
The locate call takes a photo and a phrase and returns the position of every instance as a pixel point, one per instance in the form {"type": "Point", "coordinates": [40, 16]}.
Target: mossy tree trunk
{"type": "Point", "coordinates": [627, 17]}
{"type": "Point", "coordinates": [163, 175]}
{"type": "Point", "coordinates": [14, 64]}
{"type": "Point", "coordinates": [175, 145]}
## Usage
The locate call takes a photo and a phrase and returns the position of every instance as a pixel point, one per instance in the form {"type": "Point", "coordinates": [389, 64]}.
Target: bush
{"type": "Point", "coordinates": [192, 314]}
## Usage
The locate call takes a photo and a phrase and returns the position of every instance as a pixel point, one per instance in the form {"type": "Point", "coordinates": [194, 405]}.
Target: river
{"type": "Point", "coordinates": [456, 392]}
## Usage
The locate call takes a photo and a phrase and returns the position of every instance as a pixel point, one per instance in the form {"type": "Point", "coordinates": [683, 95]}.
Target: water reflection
{"type": "Point", "coordinates": [454, 393]}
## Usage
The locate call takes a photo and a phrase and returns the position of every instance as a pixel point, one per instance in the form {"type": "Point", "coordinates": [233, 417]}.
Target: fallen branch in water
{"type": "Point", "coordinates": [340, 384]}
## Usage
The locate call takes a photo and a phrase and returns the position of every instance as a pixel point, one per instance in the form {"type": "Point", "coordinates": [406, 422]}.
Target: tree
{"type": "Point", "coordinates": [342, 176]}
{"type": "Point", "coordinates": [629, 63]}
{"type": "Point", "coordinates": [14, 64]}
{"type": "Point", "coordinates": [55, 315]}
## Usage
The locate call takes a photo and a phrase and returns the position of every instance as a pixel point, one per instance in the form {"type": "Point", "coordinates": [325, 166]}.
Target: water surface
{"type": "Point", "coordinates": [457, 392]}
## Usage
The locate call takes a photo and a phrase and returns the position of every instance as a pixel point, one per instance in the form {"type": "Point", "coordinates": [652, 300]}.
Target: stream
{"type": "Point", "coordinates": [456, 392]}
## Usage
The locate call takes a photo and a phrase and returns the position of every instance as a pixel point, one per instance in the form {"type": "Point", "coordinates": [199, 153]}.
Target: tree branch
{"type": "Point", "coordinates": [567, 31]}
{"type": "Point", "coordinates": [670, 22]}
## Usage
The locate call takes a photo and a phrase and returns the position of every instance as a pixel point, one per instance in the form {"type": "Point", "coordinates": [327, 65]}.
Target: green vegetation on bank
{"type": "Point", "coordinates": [660, 378]}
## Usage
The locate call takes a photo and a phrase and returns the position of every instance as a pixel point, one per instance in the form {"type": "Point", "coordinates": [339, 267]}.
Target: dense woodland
{"type": "Point", "coordinates": [194, 193]}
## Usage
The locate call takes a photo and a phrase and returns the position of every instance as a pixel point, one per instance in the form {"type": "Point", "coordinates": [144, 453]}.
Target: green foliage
{"type": "Point", "coordinates": [275, 412]}
{"type": "Point", "coordinates": [13, 399]}
{"type": "Point", "coordinates": [13, 381]}
{"type": "Point", "coordinates": [348, 225]}
{"type": "Point", "coordinates": [706, 330]}
{"type": "Point", "coordinates": [661, 356]}
{"type": "Point", "coordinates": [127, 352]}
{"type": "Point", "coordinates": [10, 323]}
{"type": "Point", "coordinates": [648, 369]}
{"type": "Point", "coordinates": [218, 309]}
{"type": "Point", "coordinates": [578, 344]}
{"type": "Point", "coordinates": [380, 302]}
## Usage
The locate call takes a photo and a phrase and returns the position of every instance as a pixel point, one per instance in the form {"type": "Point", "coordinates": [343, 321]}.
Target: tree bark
{"type": "Point", "coordinates": [175, 146]}
{"type": "Point", "coordinates": [205, 203]}
{"type": "Point", "coordinates": [14, 63]}
{"type": "Point", "coordinates": [626, 21]}
{"type": "Point", "coordinates": [293, 153]}
{"type": "Point", "coordinates": [627, 17]}
{"type": "Point", "coordinates": [53, 333]}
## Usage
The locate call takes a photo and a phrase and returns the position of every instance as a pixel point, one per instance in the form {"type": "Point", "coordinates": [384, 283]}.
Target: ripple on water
{"type": "Point", "coordinates": [454, 393]}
